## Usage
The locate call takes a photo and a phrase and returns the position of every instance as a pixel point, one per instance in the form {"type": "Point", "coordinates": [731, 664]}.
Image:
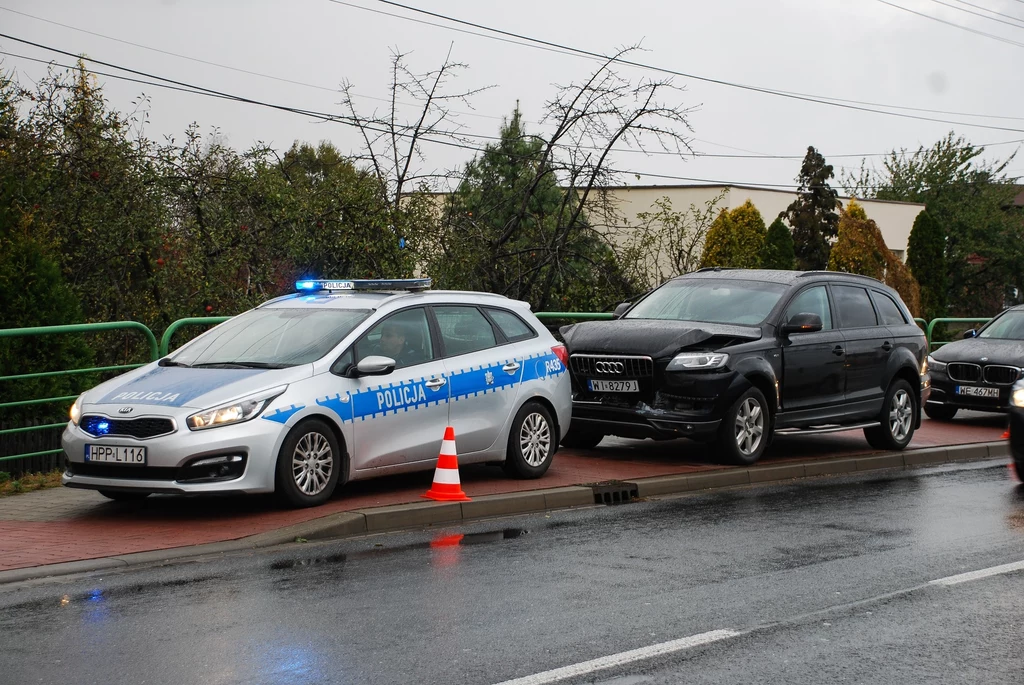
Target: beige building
{"type": "Point", "coordinates": [894, 219]}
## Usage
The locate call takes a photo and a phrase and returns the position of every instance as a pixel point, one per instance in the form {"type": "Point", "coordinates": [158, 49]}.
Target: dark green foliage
{"type": "Point", "coordinates": [926, 258]}
{"type": "Point", "coordinates": [813, 214]}
{"type": "Point", "coordinates": [778, 247]}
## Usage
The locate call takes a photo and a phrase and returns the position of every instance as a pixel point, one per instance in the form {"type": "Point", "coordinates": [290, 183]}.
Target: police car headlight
{"type": "Point", "coordinates": [76, 411]}
{"type": "Point", "coordinates": [236, 412]}
{"type": "Point", "coordinates": [697, 361]}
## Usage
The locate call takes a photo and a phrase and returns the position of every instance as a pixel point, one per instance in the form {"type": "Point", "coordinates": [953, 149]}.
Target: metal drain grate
{"type": "Point", "coordinates": [615, 493]}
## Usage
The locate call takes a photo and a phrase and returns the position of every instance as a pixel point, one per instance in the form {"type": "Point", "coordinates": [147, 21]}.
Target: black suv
{"type": "Point", "coordinates": [733, 356]}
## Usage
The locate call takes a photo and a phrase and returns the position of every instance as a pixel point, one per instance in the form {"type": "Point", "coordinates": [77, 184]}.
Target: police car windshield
{"type": "Point", "coordinates": [271, 338]}
{"type": "Point", "coordinates": [737, 301]}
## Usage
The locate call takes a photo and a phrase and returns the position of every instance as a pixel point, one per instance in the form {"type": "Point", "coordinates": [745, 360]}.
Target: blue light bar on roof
{"type": "Point", "coordinates": [409, 284]}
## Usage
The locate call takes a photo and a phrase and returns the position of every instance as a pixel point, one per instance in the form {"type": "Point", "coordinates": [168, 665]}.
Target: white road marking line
{"type": "Point", "coordinates": [622, 658]}
{"type": "Point", "coordinates": [977, 575]}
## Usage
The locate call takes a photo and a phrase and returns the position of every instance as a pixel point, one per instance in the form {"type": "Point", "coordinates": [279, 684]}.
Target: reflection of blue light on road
{"type": "Point", "coordinates": [96, 607]}
{"type": "Point", "coordinates": [95, 596]}
{"type": "Point", "coordinates": [292, 664]}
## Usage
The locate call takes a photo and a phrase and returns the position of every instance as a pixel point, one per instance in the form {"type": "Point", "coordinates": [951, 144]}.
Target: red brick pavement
{"type": "Point", "coordinates": [59, 525]}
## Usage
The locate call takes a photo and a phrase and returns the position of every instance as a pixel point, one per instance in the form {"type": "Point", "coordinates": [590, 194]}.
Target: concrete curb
{"type": "Point", "coordinates": [425, 514]}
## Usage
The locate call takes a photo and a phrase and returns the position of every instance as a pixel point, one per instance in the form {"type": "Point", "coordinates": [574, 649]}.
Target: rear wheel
{"type": "Point", "coordinates": [899, 411]}
{"type": "Point", "coordinates": [309, 465]}
{"type": "Point", "coordinates": [124, 495]}
{"type": "Point", "coordinates": [939, 412]}
{"type": "Point", "coordinates": [531, 442]}
{"type": "Point", "coordinates": [746, 429]}
{"type": "Point", "coordinates": [582, 438]}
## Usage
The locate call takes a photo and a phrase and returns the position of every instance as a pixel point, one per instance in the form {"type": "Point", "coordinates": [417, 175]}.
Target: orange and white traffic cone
{"type": "Point", "coordinates": [446, 487]}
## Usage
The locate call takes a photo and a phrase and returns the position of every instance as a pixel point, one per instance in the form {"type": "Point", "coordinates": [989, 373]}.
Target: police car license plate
{"type": "Point", "coordinates": [975, 391]}
{"type": "Point", "coordinates": [134, 456]}
{"type": "Point", "coordinates": [614, 386]}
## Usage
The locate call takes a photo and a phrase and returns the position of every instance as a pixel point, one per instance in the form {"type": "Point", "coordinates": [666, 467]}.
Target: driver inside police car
{"type": "Point", "coordinates": [392, 341]}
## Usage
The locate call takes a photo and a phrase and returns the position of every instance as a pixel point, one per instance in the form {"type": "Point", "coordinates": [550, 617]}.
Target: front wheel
{"type": "Point", "coordinates": [746, 429]}
{"type": "Point", "coordinates": [899, 410]}
{"type": "Point", "coordinates": [531, 442]}
{"type": "Point", "coordinates": [308, 466]}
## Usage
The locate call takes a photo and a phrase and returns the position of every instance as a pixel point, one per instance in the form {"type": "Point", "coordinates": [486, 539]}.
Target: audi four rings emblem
{"type": "Point", "coordinates": [609, 367]}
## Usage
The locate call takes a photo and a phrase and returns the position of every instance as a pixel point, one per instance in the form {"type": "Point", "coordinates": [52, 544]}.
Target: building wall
{"type": "Point", "coordinates": [894, 219]}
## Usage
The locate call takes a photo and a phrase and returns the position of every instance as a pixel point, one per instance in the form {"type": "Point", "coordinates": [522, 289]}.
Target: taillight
{"type": "Point", "coordinates": [562, 354]}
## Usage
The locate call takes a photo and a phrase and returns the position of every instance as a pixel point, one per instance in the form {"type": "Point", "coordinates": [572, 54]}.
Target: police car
{"type": "Point", "coordinates": [340, 381]}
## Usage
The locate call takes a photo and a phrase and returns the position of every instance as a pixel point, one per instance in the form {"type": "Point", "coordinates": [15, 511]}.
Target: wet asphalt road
{"type": "Point", "coordinates": [824, 580]}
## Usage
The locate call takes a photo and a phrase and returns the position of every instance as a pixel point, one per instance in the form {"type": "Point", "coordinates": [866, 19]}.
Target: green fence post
{"type": "Point", "coordinates": [165, 339]}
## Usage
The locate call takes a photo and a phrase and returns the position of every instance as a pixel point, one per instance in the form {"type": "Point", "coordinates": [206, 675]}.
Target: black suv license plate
{"type": "Point", "coordinates": [614, 386]}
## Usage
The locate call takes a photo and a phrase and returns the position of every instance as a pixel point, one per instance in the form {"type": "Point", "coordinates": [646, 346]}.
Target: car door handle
{"type": "Point", "coordinates": [887, 346]}
{"type": "Point", "coordinates": [838, 350]}
{"type": "Point", "coordinates": [511, 367]}
{"type": "Point", "coordinates": [435, 383]}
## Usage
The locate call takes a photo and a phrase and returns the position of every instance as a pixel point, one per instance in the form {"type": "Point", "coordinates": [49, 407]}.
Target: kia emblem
{"type": "Point", "coordinates": [124, 410]}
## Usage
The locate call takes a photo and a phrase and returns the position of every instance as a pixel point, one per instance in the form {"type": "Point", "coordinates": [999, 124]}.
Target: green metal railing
{"type": "Point", "coordinates": [930, 330]}
{"type": "Point", "coordinates": [64, 330]}
{"type": "Point", "coordinates": [165, 340]}
{"type": "Point", "coordinates": [578, 316]}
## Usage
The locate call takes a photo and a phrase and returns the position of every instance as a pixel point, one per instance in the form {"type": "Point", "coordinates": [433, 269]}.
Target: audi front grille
{"type": "Point", "coordinates": [611, 366]}
{"type": "Point", "coordinates": [964, 373]}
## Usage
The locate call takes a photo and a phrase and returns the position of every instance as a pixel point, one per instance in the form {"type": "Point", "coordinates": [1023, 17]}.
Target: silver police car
{"type": "Point", "coordinates": [343, 380]}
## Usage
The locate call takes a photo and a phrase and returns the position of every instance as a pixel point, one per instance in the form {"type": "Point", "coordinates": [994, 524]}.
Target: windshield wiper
{"type": "Point", "coordinates": [167, 361]}
{"type": "Point", "coordinates": [241, 365]}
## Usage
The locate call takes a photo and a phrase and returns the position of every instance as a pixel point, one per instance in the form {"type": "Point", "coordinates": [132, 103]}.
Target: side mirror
{"type": "Point", "coordinates": [375, 366]}
{"type": "Point", "coordinates": [802, 323]}
{"type": "Point", "coordinates": [620, 309]}
{"type": "Point", "coordinates": [970, 333]}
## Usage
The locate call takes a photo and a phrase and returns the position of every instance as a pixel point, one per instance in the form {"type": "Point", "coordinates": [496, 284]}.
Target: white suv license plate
{"type": "Point", "coordinates": [975, 391]}
{"type": "Point", "coordinates": [614, 386]}
{"type": "Point", "coordinates": [113, 454]}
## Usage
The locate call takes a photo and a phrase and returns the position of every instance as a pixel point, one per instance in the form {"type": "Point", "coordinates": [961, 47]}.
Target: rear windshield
{"type": "Point", "coordinates": [1009, 326]}
{"type": "Point", "coordinates": [272, 338]}
{"type": "Point", "coordinates": [711, 300]}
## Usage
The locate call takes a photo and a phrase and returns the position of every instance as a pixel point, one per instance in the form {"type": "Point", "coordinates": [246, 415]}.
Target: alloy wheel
{"type": "Point", "coordinates": [900, 415]}
{"type": "Point", "coordinates": [312, 463]}
{"type": "Point", "coordinates": [535, 439]}
{"type": "Point", "coordinates": [749, 426]}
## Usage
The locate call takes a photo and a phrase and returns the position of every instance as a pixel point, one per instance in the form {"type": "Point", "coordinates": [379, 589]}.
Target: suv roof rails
{"type": "Point", "coordinates": [805, 274]}
{"type": "Point", "coordinates": [716, 268]}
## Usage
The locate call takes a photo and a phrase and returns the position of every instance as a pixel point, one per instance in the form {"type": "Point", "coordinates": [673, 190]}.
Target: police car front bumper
{"type": "Point", "coordinates": [237, 458]}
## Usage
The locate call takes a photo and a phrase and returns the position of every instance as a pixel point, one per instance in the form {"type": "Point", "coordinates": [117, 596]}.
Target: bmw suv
{"type": "Point", "coordinates": [734, 356]}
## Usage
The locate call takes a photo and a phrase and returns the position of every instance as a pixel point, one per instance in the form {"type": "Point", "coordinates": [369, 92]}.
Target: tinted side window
{"type": "Point", "coordinates": [511, 325]}
{"type": "Point", "coordinates": [404, 337]}
{"type": "Point", "coordinates": [464, 330]}
{"type": "Point", "coordinates": [812, 301]}
{"type": "Point", "coordinates": [853, 306]}
{"type": "Point", "coordinates": [888, 310]}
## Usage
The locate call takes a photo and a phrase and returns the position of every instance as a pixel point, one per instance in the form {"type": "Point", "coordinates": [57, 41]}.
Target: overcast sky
{"type": "Point", "coordinates": [861, 50]}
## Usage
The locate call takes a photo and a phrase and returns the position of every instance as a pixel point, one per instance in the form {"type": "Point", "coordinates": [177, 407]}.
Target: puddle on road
{"type": "Point", "coordinates": [440, 541]}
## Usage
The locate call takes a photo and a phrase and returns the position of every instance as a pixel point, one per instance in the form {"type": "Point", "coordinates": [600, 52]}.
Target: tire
{"type": "Point", "coordinates": [939, 412]}
{"type": "Point", "coordinates": [899, 411]}
{"type": "Point", "coordinates": [582, 438]}
{"type": "Point", "coordinates": [124, 495]}
{"type": "Point", "coordinates": [308, 466]}
{"type": "Point", "coordinates": [746, 429]}
{"type": "Point", "coordinates": [532, 442]}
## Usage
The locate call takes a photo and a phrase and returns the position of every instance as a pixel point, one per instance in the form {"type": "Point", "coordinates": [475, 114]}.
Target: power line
{"type": "Point", "coordinates": [977, 14]}
{"type": "Point", "coordinates": [953, 24]}
{"type": "Point", "coordinates": [985, 9]}
{"type": "Point", "coordinates": [544, 44]}
{"type": "Point", "coordinates": [171, 84]}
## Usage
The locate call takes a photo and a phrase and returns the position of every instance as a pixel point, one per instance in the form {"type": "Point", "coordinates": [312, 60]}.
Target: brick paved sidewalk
{"type": "Point", "coordinates": [59, 525]}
